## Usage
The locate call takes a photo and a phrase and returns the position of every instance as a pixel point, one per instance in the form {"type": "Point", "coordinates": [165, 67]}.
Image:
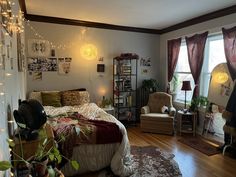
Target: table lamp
{"type": "Point", "coordinates": [186, 87]}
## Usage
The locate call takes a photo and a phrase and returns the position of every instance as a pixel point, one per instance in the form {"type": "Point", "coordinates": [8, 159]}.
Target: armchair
{"type": "Point", "coordinates": [152, 118]}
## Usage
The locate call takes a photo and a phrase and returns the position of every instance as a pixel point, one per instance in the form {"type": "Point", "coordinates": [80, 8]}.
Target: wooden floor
{"type": "Point", "coordinates": [192, 163]}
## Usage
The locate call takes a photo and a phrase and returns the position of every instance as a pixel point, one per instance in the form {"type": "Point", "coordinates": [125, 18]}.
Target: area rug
{"type": "Point", "coordinates": [150, 161]}
{"type": "Point", "coordinates": [201, 145]}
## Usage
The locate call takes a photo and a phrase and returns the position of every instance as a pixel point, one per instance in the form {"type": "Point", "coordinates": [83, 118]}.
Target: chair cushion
{"type": "Point", "coordinates": [157, 117]}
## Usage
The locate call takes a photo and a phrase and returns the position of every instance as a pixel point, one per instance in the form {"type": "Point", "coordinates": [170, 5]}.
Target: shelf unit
{"type": "Point", "coordinates": [125, 68]}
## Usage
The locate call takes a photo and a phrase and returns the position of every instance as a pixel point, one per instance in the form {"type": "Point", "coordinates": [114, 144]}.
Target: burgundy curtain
{"type": "Point", "coordinates": [196, 46]}
{"type": "Point", "coordinates": [230, 49]}
{"type": "Point", "coordinates": [173, 53]}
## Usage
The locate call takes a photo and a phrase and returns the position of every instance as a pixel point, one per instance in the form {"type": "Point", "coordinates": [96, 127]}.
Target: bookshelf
{"type": "Point", "coordinates": [125, 67]}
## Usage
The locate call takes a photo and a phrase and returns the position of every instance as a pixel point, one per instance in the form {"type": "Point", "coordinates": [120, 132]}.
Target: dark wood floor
{"type": "Point", "coordinates": [192, 163]}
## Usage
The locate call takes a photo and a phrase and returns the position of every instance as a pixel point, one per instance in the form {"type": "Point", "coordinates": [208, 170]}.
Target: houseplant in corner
{"type": "Point", "coordinates": [150, 84]}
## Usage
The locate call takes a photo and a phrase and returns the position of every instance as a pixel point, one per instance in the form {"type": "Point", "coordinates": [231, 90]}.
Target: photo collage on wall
{"type": "Point", "coordinates": [145, 64]}
{"type": "Point", "coordinates": [38, 65]}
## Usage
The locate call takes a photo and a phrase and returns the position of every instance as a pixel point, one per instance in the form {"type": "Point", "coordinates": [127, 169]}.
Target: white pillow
{"type": "Point", "coordinates": [165, 109]}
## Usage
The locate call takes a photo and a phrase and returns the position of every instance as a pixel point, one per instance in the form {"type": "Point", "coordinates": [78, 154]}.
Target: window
{"type": "Point", "coordinates": [182, 73]}
{"type": "Point", "coordinates": [214, 55]}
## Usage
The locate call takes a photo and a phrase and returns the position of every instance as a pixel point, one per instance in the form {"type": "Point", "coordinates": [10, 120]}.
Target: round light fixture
{"type": "Point", "coordinates": [221, 77]}
{"type": "Point", "coordinates": [89, 51]}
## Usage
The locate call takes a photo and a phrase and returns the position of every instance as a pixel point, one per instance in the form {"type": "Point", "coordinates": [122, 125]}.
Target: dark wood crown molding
{"type": "Point", "coordinates": [200, 19]}
{"type": "Point", "coordinates": [193, 21]}
{"type": "Point", "coordinates": [65, 21]}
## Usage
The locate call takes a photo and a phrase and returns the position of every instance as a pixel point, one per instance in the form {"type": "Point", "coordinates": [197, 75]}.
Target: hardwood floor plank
{"type": "Point", "coordinates": [192, 163]}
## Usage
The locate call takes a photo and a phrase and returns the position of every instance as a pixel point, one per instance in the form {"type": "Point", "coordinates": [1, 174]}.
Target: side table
{"type": "Point", "coordinates": [187, 122]}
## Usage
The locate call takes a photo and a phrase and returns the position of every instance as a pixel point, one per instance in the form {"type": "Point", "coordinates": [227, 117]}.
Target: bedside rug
{"type": "Point", "coordinates": [149, 161]}
{"type": "Point", "coordinates": [201, 145]}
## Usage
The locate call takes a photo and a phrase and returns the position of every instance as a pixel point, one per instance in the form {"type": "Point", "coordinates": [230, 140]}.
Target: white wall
{"type": "Point", "coordinates": [110, 43]}
{"type": "Point", "coordinates": [13, 87]}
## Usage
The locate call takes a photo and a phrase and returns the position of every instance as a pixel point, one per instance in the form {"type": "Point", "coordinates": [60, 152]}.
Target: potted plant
{"type": "Point", "coordinates": [197, 102]}
{"type": "Point", "coordinates": [150, 84]}
{"type": "Point", "coordinates": [37, 164]}
{"type": "Point", "coordinates": [173, 86]}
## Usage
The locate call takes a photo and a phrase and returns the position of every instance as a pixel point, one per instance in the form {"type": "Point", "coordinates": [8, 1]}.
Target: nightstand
{"type": "Point", "coordinates": [29, 147]}
{"type": "Point", "coordinates": [186, 122]}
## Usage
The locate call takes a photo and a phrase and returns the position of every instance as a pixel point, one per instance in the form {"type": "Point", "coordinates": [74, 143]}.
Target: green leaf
{"type": "Point", "coordinates": [74, 164]}
{"type": "Point", "coordinates": [11, 142]}
{"type": "Point", "coordinates": [59, 158]}
{"type": "Point", "coordinates": [51, 157]}
{"type": "Point", "coordinates": [4, 165]}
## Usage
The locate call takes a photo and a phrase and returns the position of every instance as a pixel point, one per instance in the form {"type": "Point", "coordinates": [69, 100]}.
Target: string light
{"type": "Point", "coordinates": [83, 32]}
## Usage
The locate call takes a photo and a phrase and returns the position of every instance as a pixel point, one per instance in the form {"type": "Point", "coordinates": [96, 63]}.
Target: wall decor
{"type": "Point", "coordinates": [34, 64]}
{"type": "Point", "coordinates": [100, 68]}
{"type": "Point", "coordinates": [144, 71]}
{"type": "Point", "coordinates": [51, 64]}
{"type": "Point", "coordinates": [42, 64]}
{"type": "Point", "coordinates": [145, 62]}
{"type": "Point", "coordinates": [37, 76]}
{"type": "Point", "coordinates": [38, 48]}
{"type": "Point", "coordinates": [64, 65]}
{"type": "Point", "coordinates": [6, 15]}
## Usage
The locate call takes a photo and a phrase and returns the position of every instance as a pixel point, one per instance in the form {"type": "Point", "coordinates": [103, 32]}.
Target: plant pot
{"type": "Point", "coordinates": [40, 168]}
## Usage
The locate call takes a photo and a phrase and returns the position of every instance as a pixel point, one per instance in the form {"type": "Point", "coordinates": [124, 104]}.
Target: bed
{"type": "Point", "coordinates": [91, 157]}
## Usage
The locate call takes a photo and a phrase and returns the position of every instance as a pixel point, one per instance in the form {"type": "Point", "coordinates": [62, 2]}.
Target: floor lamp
{"type": "Point", "coordinates": [186, 87]}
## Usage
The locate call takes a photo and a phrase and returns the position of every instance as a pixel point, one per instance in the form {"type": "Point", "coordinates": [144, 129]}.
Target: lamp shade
{"type": "Point", "coordinates": [186, 85]}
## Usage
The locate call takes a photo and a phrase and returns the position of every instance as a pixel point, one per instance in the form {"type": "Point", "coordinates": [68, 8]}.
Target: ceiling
{"type": "Point", "coordinates": [151, 14]}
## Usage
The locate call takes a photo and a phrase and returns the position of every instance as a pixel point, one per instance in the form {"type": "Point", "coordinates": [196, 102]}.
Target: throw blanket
{"type": "Point", "coordinates": [117, 155]}
{"type": "Point", "coordinates": [89, 132]}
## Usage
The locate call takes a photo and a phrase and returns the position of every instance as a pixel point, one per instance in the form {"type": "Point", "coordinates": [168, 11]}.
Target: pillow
{"type": "Point", "coordinates": [51, 98]}
{"type": "Point", "coordinates": [36, 96]}
{"type": "Point", "coordinates": [84, 97]}
{"type": "Point", "coordinates": [70, 98]}
{"type": "Point", "coordinates": [165, 109]}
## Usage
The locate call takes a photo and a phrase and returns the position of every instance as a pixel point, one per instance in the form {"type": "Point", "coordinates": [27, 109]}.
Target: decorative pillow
{"type": "Point", "coordinates": [51, 98]}
{"type": "Point", "coordinates": [36, 96]}
{"type": "Point", "coordinates": [165, 109]}
{"type": "Point", "coordinates": [84, 97]}
{"type": "Point", "coordinates": [70, 98]}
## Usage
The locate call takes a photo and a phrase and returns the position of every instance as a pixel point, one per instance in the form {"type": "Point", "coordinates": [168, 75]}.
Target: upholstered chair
{"type": "Point", "coordinates": [154, 118]}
